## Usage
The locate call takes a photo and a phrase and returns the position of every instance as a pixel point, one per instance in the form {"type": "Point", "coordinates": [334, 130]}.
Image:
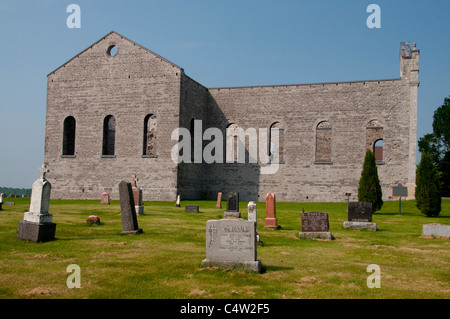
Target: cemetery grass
{"type": "Point", "coordinates": [165, 261]}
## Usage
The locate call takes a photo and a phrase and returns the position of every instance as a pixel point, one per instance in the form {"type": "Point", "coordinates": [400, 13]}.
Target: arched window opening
{"type": "Point", "coordinates": [374, 139]}
{"type": "Point", "coordinates": [109, 135]}
{"type": "Point", "coordinates": [150, 134]}
{"type": "Point", "coordinates": [69, 136]}
{"type": "Point", "coordinates": [378, 150]}
{"type": "Point", "coordinates": [231, 143]}
{"type": "Point", "coordinates": [323, 142]}
{"type": "Point", "coordinates": [276, 143]}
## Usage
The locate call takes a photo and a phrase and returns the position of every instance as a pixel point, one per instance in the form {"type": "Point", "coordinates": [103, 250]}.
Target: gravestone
{"type": "Point", "coordinates": [436, 230]}
{"type": "Point", "coordinates": [177, 204]}
{"type": "Point", "coordinates": [127, 209]}
{"type": "Point", "coordinates": [315, 225]}
{"type": "Point", "coordinates": [252, 216]}
{"type": "Point", "coordinates": [219, 200]}
{"type": "Point", "coordinates": [105, 198]}
{"type": "Point", "coordinates": [271, 220]}
{"type": "Point", "coordinates": [360, 216]}
{"type": "Point", "coordinates": [92, 219]}
{"type": "Point", "coordinates": [37, 225]}
{"type": "Point", "coordinates": [137, 196]}
{"type": "Point", "coordinates": [231, 243]}
{"type": "Point", "coordinates": [232, 206]}
{"type": "Point", "coordinates": [192, 208]}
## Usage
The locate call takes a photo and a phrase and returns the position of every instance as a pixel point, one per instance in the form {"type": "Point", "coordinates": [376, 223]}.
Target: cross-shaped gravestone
{"type": "Point", "coordinates": [43, 170]}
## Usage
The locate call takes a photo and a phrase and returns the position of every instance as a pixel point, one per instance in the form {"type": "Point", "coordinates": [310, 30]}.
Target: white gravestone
{"type": "Point", "coordinates": [40, 200]}
{"type": "Point", "coordinates": [252, 216]}
{"type": "Point", "coordinates": [37, 225]}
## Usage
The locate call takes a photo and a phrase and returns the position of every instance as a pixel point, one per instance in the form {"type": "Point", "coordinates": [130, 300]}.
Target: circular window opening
{"type": "Point", "coordinates": [112, 50]}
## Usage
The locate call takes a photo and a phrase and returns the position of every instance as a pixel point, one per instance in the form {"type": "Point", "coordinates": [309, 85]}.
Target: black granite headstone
{"type": "Point", "coordinates": [127, 209]}
{"type": "Point", "coordinates": [192, 208]}
{"type": "Point", "coordinates": [360, 212]}
{"type": "Point", "coordinates": [233, 202]}
{"type": "Point", "coordinates": [315, 222]}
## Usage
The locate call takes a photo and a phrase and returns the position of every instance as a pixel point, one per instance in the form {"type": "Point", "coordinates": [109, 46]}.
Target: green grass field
{"type": "Point", "coordinates": [165, 261]}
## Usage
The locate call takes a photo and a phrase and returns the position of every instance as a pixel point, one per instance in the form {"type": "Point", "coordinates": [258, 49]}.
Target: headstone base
{"type": "Point", "coordinates": [38, 218]}
{"type": "Point", "coordinates": [241, 265]}
{"type": "Point", "coordinates": [36, 232]}
{"type": "Point", "coordinates": [316, 235]}
{"type": "Point", "coordinates": [360, 225]}
{"type": "Point", "coordinates": [139, 210]}
{"type": "Point", "coordinates": [271, 223]}
{"type": "Point", "coordinates": [232, 215]}
{"type": "Point", "coordinates": [132, 232]}
{"type": "Point", "coordinates": [436, 230]}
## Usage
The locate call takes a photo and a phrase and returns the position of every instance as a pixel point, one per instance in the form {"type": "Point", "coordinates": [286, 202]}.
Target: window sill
{"type": "Point", "coordinates": [380, 163]}
{"type": "Point", "coordinates": [68, 156]}
{"type": "Point", "coordinates": [149, 156]}
{"type": "Point", "coordinates": [107, 156]}
{"type": "Point", "coordinates": [323, 163]}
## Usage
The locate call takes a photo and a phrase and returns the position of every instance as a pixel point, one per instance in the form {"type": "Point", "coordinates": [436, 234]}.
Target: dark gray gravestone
{"type": "Point", "coordinates": [192, 208]}
{"type": "Point", "coordinates": [127, 209]}
{"type": "Point", "coordinates": [360, 212]}
{"type": "Point", "coordinates": [232, 206]}
{"type": "Point", "coordinates": [315, 225]}
{"type": "Point", "coordinates": [233, 202]}
{"type": "Point", "coordinates": [360, 216]}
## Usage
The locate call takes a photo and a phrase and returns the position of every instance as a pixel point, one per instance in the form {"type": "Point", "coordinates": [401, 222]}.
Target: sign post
{"type": "Point", "coordinates": [399, 191]}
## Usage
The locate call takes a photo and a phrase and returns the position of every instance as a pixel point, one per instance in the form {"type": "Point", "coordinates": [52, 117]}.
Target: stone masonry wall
{"type": "Point", "coordinates": [348, 107]}
{"type": "Point", "coordinates": [137, 82]}
{"type": "Point", "coordinates": [130, 85]}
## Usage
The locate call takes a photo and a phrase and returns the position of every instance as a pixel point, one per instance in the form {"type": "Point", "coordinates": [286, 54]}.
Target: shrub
{"type": "Point", "coordinates": [428, 192]}
{"type": "Point", "coordinates": [369, 189]}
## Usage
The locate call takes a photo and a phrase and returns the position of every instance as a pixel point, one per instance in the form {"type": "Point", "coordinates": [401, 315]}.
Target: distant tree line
{"type": "Point", "coordinates": [15, 191]}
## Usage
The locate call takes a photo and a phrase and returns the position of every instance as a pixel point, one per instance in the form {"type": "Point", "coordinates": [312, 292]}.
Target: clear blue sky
{"type": "Point", "coordinates": [218, 43]}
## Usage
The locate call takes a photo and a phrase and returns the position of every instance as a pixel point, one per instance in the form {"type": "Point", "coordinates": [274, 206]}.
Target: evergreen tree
{"type": "Point", "coordinates": [369, 185]}
{"type": "Point", "coordinates": [428, 192]}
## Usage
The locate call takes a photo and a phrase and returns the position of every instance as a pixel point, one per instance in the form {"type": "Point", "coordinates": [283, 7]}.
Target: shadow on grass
{"type": "Point", "coordinates": [266, 268]}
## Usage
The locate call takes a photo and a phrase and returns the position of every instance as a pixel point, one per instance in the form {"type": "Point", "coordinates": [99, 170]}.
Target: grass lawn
{"type": "Point", "coordinates": [165, 261]}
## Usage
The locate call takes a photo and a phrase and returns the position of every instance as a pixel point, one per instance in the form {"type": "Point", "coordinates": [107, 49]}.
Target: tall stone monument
{"type": "Point", "coordinates": [137, 196]}
{"type": "Point", "coordinates": [219, 200]}
{"type": "Point", "coordinates": [232, 206]}
{"type": "Point", "coordinates": [127, 209]}
{"type": "Point", "coordinates": [271, 220]}
{"type": "Point", "coordinates": [37, 225]}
